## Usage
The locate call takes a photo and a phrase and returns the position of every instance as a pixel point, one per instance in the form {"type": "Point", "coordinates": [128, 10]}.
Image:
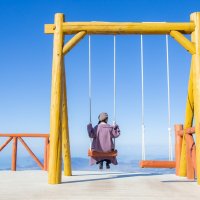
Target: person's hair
{"type": "Point", "coordinates": [105, 120]}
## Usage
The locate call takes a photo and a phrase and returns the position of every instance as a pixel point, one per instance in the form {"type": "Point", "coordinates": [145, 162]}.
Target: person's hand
{"type": "Point", "coordinates": [115, 126]}
{"type": "Point", "coordinates": [89, 125]}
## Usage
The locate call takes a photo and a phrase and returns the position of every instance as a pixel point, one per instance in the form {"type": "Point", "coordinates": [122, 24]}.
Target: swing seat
{"type": "Point", "coordinates": [157, 164]}
{"type": "Point", "coordinates": [92, 153]}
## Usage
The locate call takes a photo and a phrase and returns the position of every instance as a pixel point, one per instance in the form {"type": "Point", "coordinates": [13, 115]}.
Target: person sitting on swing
{"type": "Point", "coordinates": [102, 135]}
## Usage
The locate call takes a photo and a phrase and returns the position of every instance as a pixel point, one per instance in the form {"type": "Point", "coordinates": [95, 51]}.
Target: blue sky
{"type": "Point", "coordinates": [26, 59]}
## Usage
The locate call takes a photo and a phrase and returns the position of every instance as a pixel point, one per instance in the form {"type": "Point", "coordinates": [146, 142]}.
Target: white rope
{"type": "Point", "coordinates": [90, 85]}
{"type": "Point", "coordinates": [90, 78]}
{"type": "Point", "coordinates": [114, 99]}
{"type": "Point", "coordinates": [142, 81]}
{"type": "Point", "coordinates": [168, 100]}
{"type": "Point", "coordinates": [114, 84]}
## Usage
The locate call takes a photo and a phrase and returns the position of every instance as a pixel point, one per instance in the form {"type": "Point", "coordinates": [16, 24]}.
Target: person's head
{"type": "Point", "coordinates": [103, 117]}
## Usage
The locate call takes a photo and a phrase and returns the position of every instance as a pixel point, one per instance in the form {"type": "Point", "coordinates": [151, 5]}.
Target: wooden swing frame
{"type": "Point", "coordinates": [59, 133]}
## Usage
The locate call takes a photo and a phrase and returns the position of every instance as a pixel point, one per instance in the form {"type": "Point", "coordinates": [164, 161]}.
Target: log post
{"type": "Point", "coordinates": [193, 153]}
{"type": "Point", "coordinates": [190, 167]}
{"type": "Point", "coordinates": [48, 149]}
{"type": "Point", "coordinates": [55, 160]}
{"type": "Point", "coordinates": [195, 17]}
{"type": "Point", "coordinates": [14, 154]}
{"type": "Point", "coordinates": [65, 130]}
{"type": "Point", "coordinates": [189, 114]}
{"type": "Point", "coordinates": [178, 146]}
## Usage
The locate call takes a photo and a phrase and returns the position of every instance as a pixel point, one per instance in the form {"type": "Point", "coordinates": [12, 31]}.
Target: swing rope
{"type": "Point", "coordinates": [168, 100]}
{"type": "Point", "coordinates": [114, 84]}
{"type": "Point", "coordinates": [142, 83]}
{"type": "Point", "coordinates": [90, 79]}
{"type": "Point", "coordinates": [90, 84]}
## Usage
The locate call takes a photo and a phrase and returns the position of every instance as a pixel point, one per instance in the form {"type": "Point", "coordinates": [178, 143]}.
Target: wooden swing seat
{"type": "Point", "coordinates": [92, 153]}
{"type": "Point", "coordinates": [157, 164]}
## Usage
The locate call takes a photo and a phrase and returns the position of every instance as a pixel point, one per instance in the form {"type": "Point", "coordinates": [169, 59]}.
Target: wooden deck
{"type": "Point", "coordinates": [26, 185]}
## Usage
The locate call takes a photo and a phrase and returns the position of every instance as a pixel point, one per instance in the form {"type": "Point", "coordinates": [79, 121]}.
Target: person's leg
{"type": "Point", "coordinates": [100, 164]}
{"type": "Point", "coordinates": [108, 162]}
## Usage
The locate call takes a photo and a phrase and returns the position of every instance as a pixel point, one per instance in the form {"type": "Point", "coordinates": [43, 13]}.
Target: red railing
{"type": "Point", "coordinates": [16, 137]}
{"type": "Point", "coordinates": [190, 150]}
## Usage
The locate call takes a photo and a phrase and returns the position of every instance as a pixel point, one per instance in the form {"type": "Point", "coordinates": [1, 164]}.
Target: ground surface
{"type": "Point", "coordinates": [25, 185]}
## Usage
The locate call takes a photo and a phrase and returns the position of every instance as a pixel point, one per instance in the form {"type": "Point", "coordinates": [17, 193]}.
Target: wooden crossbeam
{"type": "Point", "coordinates": [182, 40]}
{"type": "Point", "coordinates": [122, 27]}
{"type": "Point", "coordinates": [71, 43]}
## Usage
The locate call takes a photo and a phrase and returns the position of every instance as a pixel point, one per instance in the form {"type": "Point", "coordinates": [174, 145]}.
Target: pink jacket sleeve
{"type": "Point", "coordinates": [91, 131]}
{"type": "Point", "coordinates": [115, 131]}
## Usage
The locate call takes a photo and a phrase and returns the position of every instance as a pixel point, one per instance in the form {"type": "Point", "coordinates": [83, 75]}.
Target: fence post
{"type": "Point", "coordinates": [178, 146]}
{"type": "Point", "coordinates": [46, 153]}
{"type": "Point", "coordinates": [14, 154]}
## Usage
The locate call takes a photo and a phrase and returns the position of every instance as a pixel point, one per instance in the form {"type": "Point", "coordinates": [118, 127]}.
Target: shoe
{"type": "Point", "coordinates": [107, 166]}
{"type": "Point", "coordinates": [101, 165]}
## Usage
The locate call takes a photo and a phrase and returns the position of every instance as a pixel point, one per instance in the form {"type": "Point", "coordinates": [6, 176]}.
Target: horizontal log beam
{"type": "Point", "coordinates": [182, 40]}
{"type": "Point", "coordinates": [23, 135]}
{"type": "Point", "coordinates": [122, 27]}
{"type": "Point", "coordinates": [72, 42]}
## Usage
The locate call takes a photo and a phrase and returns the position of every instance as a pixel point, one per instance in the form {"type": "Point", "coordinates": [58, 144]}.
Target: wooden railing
{"type": "Point", "coordinates": [16, 137]}
{"type": "Point", "coordinates": [190, 150]}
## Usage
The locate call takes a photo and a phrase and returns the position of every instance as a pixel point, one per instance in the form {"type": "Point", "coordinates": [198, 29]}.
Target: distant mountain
{"type": "Point", "coordinates": [25, 163]}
